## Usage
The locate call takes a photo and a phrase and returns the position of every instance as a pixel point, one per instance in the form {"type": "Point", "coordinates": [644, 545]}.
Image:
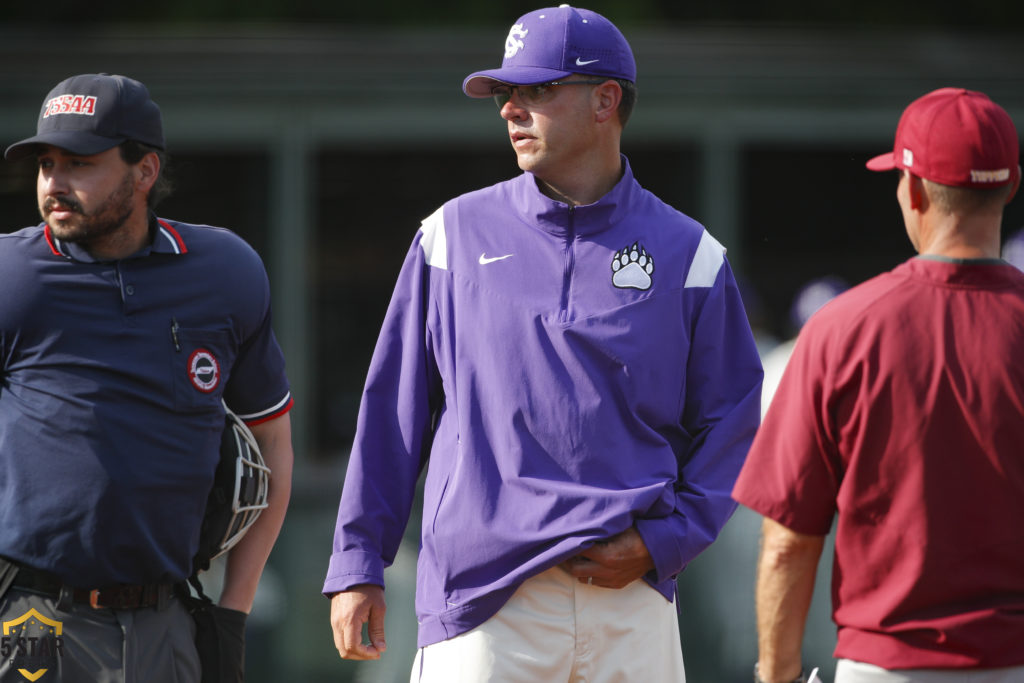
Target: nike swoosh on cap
{"type": "Point", "coordinates": [580, 62]}
{"type": "Point", "coordinates": [484, 260]}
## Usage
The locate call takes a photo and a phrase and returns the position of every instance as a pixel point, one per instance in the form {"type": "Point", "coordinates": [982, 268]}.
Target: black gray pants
{"type": "Point", "coordinates": [75, 643]}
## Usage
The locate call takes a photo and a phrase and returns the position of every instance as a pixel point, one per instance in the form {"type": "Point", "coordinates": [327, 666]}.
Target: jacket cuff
{"type": "Point", "coordinates": [352, 568]}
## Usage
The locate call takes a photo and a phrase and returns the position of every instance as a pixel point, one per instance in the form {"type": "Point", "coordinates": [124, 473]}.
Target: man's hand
{"type": "Point", "coordinates": [614, 563]}
{"type": "Point", "coordinates": [350, 609]}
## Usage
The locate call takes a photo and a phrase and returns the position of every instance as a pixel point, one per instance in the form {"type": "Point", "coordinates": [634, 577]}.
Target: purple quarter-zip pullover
{"type": "Point", "coordinates": [563, 373]}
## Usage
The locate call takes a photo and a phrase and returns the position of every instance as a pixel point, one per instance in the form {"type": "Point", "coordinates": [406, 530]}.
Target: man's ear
{"type": "Point", "coordinates": [1016, 186]}
{"type": "Point", "coordinates": [916, 192]}
{"type": "Point", "coordinates": [608, 95]}
{"type": "Point", "coordinates": [146, 172]}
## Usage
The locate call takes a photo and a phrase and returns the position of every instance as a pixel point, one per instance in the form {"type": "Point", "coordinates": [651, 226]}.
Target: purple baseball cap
{"type": "Point", "coordinates": [1013, 249]}
{"type": "Point", "coordinates": [552, 43]}
{"type": "Point", "coordinates": [812, 296]}
{"type": "Point", "coordinates": [91, 113]}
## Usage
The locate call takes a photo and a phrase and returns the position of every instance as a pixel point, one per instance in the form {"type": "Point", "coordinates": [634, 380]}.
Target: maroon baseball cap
{"type": "Point", "coordinates": [555, 42]}
{"type": "Point", "coordinates": [955, 137]}
{"type": "Point", "coordinates": [90, 113]}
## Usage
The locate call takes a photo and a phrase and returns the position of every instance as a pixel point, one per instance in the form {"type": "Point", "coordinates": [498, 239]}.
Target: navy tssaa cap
{"type": "Point", "coordinates": [91, 113]}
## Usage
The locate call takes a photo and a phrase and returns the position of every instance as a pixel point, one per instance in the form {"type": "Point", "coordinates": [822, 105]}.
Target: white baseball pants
{"type": "Point", "coordinates": [557, 630]}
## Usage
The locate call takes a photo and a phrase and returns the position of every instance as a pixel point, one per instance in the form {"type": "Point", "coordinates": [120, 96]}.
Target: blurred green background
{"type": "Point", "coordinates": [323, 132]}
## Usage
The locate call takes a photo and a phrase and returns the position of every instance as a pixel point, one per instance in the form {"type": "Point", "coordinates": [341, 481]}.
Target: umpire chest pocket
{"type": "Point", "coordinates": [200, 365]}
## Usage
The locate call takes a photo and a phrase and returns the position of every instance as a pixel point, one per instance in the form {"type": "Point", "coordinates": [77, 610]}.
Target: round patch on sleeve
{"type": "Point", "coordinates": [203, 370]}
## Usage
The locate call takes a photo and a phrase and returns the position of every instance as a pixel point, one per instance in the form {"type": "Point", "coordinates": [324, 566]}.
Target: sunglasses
{"type": "Point", "coordinates": [532, 95]}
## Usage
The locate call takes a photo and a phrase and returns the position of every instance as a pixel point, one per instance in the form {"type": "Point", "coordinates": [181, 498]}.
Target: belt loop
{"type": "Point", "coordinates": [8, 572]}
{"type": "Point", "coordinates": [66, 598]}
{"type": "Point", "coordinates": [164, 593]}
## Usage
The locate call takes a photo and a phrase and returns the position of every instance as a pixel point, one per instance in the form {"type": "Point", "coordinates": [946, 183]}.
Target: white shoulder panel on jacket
{"type": "Point", "coordinates": [434, 243]}
{"type": "Point", "coordinates": [706, 262]}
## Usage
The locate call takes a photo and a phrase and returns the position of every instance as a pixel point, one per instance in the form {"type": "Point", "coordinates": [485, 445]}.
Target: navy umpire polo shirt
{"type": "Point", "coordinates": [110, 399]}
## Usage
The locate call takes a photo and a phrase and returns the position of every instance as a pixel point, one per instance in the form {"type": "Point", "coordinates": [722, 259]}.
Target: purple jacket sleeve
{"type": "Point", "coordinates": [721, 414]}
{"type": "Point", "coordinates": [392, 437]}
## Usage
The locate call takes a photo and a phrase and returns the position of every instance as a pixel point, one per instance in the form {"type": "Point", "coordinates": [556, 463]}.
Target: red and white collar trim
{"type": "Point", "coordinates": [173, 237]}
{"type": "Point", "coordinates": [167, 241]}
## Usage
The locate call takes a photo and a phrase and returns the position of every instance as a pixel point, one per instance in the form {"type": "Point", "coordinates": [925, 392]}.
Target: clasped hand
{"type": "Point", "coordinates": [613, 563]}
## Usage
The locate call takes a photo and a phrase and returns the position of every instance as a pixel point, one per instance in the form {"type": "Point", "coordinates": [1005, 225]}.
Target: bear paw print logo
{"type": "Point", "coordinates": [632, 268]}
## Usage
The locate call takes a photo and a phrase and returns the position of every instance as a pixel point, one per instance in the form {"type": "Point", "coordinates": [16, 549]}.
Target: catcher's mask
{"type": "Point", "coordinates": [239, 492]}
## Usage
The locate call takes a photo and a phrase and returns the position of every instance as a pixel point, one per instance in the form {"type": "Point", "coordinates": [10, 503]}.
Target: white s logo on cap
{"type": "Point", "coordinates": [513, 44]}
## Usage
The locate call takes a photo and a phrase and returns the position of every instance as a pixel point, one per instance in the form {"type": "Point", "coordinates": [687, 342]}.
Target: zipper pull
{"type": "Point", "coordinates": [174, 334]}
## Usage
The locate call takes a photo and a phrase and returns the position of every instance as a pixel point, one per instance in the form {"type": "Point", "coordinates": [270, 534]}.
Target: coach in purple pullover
{"type": "Point", "coordinates": [569, 359]}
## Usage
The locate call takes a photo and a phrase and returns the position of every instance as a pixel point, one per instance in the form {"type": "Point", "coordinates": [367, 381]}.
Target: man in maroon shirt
{"type": "Point", "coordinates": [901, 415]}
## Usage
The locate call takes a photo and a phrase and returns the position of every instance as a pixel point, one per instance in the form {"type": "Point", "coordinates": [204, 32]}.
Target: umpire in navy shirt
{"type": "Point", "coordinates": [122, 338]}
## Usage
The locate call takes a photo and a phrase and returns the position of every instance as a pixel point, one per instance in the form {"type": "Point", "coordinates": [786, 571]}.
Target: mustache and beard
{"type": "Point", "coordinates": [89, 227]}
